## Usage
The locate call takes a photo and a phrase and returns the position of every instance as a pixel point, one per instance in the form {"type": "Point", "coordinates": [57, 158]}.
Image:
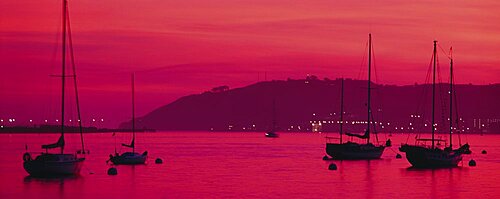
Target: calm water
{"type": "Point", "coordinates": [248, 165]}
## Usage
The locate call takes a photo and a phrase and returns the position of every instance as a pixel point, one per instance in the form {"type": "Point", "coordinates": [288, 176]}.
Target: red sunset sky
{"type": "Point", "coordinates": [189, 46]}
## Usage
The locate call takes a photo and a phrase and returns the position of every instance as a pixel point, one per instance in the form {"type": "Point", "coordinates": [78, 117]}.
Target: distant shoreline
{"type": "Point", "coordinates": [68, 129]}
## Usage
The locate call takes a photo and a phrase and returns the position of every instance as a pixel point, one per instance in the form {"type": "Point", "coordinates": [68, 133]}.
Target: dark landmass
{"type": "Point", "coordinates": [67, 129]}
{"type": "Point", "coordinates": [301, 105]}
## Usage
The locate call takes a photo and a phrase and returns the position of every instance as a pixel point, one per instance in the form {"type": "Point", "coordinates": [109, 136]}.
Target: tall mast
{"type": "Point", "coordinates": [341, 109]}
{"type": "Point", "coordinates": [70, 40]}
{"type": "Point", "coordinates": [434, 54]}
{"type": "Point", "coordinates": [369, 86]}
{"type": "Point", "coordinates": [133, 114]}
{"type": "Point", "coordinates": [274, 115]}
{"type": "Point", "coordinates": [451, 97]}
{"type": "Point", "coordinates": [63, 78]}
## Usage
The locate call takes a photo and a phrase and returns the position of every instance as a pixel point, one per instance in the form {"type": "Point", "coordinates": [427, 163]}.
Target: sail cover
{"type": "Point", "coordinates": [364, 136]}
{"type": "Point", "coordinates": [131, 145]}
{"type": "Point", "coordinates": [59, 143]}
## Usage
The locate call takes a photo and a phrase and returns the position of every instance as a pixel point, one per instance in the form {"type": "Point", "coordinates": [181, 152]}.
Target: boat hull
{"type": "Point", "coordinates": [354, 151]}
{"type": "Point", "coordinates": [423, 157]}
{"type": "Point", "coordinates": [272, 135]}
{"type": "Point", "coordinates": [129, 158]}
{"type": "Point", "coordinates": [48, 165]}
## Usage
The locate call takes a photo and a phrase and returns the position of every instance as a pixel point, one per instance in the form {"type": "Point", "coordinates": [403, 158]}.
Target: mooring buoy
{"type": "Point", "coordinates": [484, 152]}
{"type": "Point", "coordinates": [159, 161]}
{"type": "Point", "coordinates": [332, 166]}
{"type": "Point", "coordinates": [112, 171]}
{"type": "Point", "coordinates": [472, 163]}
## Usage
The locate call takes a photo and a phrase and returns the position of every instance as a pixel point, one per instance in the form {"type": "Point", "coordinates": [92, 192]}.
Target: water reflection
{"type": "Point", "coordinates": [48, 183]}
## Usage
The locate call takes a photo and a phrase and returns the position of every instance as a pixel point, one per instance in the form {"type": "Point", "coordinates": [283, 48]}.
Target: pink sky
{"type": "Point", "coordinates": [184, 47]}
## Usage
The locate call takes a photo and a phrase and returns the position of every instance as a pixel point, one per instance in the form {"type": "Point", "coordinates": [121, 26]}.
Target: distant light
{"type": "Point", "coordinates": [1, 120]}
{"type": "Point", "coordinates": [46, 121]}
{"type": "Point", "coordinates": [93, 120]}
{"type": "Point", "coordinates": [31, 120]}
{"type": "Point", "coordinates": [314, 114]}
{"type": "Point", "coordinates": [1, 127]}
{"type": "Point", "coordinates": [69, 120]}
{"type": "Point", "coordinates": [102, 120]}
{"type": "Point", "coordinates": [13, 119]}
{"type": "Point", "coordinates": [10, 120]}
{"type": "Point", "coordinates": [57, 120]}
{"type": "Point", "coordinates": [78, 120]}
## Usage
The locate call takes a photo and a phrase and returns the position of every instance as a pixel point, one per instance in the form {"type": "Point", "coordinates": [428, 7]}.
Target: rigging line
{"type": "Point", "coordinates": [444, 52]}
{"type": "Point", "coordinates": [363, 62]}
{"type": "Point", "coordinates": [442, 98]}
{"type": "Point", "coordinates": [374, 64]}
{"type": "Point", "coordinates": [72, 57]}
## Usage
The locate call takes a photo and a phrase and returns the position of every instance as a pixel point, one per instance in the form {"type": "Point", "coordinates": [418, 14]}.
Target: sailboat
{"type": "Point", "coordinates": [130, 157]}
{"type": "Point", "coordinates": [271, 133]}
{"type": "Point", "coordinates": [55, 164]}
{"type": "Point", "coordinates": [352, 150]}
{"type": "Point", "coordinates": [422, 156]}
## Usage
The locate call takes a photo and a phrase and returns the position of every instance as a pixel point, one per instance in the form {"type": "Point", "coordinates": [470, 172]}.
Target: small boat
{"type": "Point", "coordinates": [130, 158]}
{"type": "Point", "coordinates": [353, 150]}
{"type": "Point", "coordinates": [56, 164]}
{"type": "Point", "coordinates": [272, 132]}
{"type": "Point", "coordinates": [424, 156]}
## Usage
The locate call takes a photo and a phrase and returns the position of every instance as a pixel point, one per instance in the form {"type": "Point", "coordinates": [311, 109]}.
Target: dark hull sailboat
{"type": "Point", "coordinates": [353, 150]}
{"type": "Point", "coordinates": [130, 158]}
{"type": "Point", "coordinates": [422, 156]}
{"type": "Point", "coordinates": [52, 164]}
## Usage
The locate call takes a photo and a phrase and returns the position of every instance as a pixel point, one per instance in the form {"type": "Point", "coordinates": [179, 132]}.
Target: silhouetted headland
{"type": "Point", "coordinates": [302, 104]}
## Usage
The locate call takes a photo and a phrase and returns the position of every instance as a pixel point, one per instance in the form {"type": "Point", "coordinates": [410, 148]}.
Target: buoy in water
{"type": "Point", "coordinates": [112, 171]}
{"type": "Point", "coordinates": [159, 161]}
{"type": "Point", "coordinates": [326, 157]}
{"type": "Point", "coordinates": [332, 166]}
{"type": "Point", "coordinates": [472, 163]}
{"type": "Point", "coordinates": [398, 156]}
{"type": "Point", "coordinates": [483, 152]}
{"type": "Point", "coordinates": [388, 143]}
